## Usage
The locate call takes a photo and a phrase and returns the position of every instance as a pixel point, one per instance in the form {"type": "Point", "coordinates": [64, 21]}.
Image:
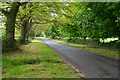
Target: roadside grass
{"type": "Point", "coordinates": [103, 51]}
{"type": "Point", "coordinates": [35, 60]}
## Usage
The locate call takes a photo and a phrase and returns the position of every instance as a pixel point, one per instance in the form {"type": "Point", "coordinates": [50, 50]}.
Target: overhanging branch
{"type": "Point", "coordinates": [23, 3]}
{"type": "Point", "coordinates": [3, 11]}
{"type": "Point", "coordinates": [39, 23]}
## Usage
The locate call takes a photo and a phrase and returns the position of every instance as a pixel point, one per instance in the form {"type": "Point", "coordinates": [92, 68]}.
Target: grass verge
{"type": "Point", "coordinates": [35, 60]}
{"type": "Point", "coordinates": [103, 51]}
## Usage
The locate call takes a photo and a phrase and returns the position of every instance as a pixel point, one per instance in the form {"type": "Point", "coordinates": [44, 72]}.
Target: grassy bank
{"type": "Point", "coordinates": [35, 60]}
{"type": "Point", "coordinates": [108, 52]}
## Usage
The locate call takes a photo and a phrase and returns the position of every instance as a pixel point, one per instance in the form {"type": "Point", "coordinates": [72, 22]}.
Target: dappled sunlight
{"type": "Point", "coordinates": [30, 50]}
{"type": "Point", "coordinates": [36, 41]}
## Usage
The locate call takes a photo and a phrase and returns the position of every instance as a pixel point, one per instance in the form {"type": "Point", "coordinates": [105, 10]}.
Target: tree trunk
{"type": "Point", "coordinates": [10, 24]}
{"type": "Point", "coordinates": [29, 29]}
{"type": "Point", "coordinates": [10, 30]}
{"type": "Point", "coordinates": [23, 31]}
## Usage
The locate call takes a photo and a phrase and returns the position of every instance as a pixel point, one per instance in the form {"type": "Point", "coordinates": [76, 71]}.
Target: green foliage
{"type": "Point", "coordinates": [67, 19]}
{"type": "Point", "coordinates": [53, 32]}
{"type": "Point", "coordinates": [89, 20]}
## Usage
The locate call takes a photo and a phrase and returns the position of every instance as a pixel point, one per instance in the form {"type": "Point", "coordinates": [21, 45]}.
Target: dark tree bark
{"type": "Point", "coordinates": [24, 30]}
{"type": "Point", "coordinates": [10, 30]}
{"type": "Point", "coordinates": [10, 23]}
{"type": "Point", "coordinates": [25, 26]}
{"type": "Point", "coordinates": [29, 29]}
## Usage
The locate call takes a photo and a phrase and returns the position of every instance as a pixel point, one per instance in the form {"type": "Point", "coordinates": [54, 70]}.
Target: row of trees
{"type": "Point", "coordinates": [88, 20]}
{"type": "Point", "coordinates": [25, 16]}
{"type": "Point", "coordinates": [66, 19]}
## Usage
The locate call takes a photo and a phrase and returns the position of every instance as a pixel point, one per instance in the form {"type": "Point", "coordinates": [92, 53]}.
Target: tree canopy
{"type": "Point", "coordinates": [62, 19]}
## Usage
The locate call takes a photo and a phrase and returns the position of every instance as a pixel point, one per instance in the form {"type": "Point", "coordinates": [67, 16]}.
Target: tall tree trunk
{"type": "Point", "coordinates": [29, 29]}
{"type": "Point", "coordinates": [24, 31]}
{"type": "Point", "coordinates": [10, 24]}
{"type": "Point", "coordinates": [10, 30]}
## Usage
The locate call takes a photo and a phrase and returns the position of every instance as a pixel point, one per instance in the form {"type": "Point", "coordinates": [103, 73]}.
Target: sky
{"type": "Point", "coordinates": [1, 24]}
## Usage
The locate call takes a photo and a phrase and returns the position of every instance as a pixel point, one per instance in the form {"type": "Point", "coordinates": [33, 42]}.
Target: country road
{"type": "Point", "coordinates": [89, 64]}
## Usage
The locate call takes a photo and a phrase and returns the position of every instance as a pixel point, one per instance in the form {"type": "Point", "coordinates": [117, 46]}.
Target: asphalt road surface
{"type": "Point", "coordinates": [88, 63]}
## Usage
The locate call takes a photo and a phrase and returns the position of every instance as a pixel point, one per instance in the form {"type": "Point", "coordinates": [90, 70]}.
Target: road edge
{"type": "Point", "coordinates": [69, 64]}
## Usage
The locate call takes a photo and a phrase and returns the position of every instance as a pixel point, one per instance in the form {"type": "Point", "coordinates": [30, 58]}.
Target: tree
{"type": "Point", "coordinates": [25, 21]}
{"type": "Point", "coordinates": [92, 20]}
{"type": "Point", "coordinates": [11, 14]}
